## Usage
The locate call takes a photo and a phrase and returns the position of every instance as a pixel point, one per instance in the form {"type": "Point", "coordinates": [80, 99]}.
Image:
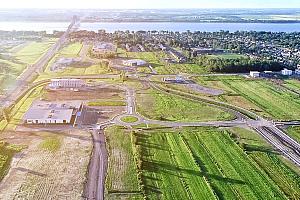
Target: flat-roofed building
{"type": "Point", "coordinates": [101, 48]}
{"type": "Point", "coordinates": [254, 74]}
{"type": "Point", "coordinates": [134, 63]}
{"type": "Point", "coordinates": [66, 83]}
{"type": "Point", "coordinates": [42, 112]}
{"type": "Point", "coordinates": [286, 72]}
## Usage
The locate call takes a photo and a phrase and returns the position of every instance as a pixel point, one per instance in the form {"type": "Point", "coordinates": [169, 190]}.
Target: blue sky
{"type": "Point", "coordinates": [127, 4]}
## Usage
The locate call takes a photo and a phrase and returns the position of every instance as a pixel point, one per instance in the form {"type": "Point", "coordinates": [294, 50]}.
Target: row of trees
{"type": "Point", "coordinates": [236, 65]}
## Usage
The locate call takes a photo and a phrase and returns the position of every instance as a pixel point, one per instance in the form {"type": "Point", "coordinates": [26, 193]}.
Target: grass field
{"type": "Point", "coordinates": [228, 56]}
{"type": "Point", "coordinates": [21, 108]}
{"type": "Point", "coordinates": [21, 58]}
{"type": "Point", "coordinates": [268, 160]}
{"type": "Point", "coordinates": [129, 119]}
{"type": "Point", "coordinates": [155, 105]}
{"type": "Point", "coordinates": [206, 163]}
{"type": "Point", "coordinates": [106, 103]}
{"type": "Point", "coordinates": [292, 84]}
{"type": "Point", "coordinates": [6, 154]}
{"type": "Point", "coordinates": [155, 59]}
{"type": "Point", "coordinates": [277, 102]}
{"type": "Point", "coordinates": [51, 144]}
{"type": "Point", "coordinates": [122, 177]}
{"type": "Point", "coordinates": [71, 50]}
{"type": "Point", "coordinates": [261, 96]}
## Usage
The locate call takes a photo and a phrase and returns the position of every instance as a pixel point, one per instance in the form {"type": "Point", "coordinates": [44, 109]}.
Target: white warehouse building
{"type": "Point", "coordinates": [254, 74]}
{"type": "Point", "coordinates": [66, 83]}
{"type": "Point", "coordinates": [134, 63]}
{"type": "Point", "coordinates": [286, 72]}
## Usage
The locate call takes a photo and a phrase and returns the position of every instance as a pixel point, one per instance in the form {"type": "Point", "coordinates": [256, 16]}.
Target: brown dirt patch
{"type": "Point", "coordinates": [86, 94]}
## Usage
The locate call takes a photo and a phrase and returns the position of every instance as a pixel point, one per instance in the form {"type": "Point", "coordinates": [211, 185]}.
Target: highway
{"type": "Point", "coordinates": [32, 71]}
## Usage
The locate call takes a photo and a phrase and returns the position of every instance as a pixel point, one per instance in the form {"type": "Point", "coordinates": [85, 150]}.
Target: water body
{"type": "Point", "coordinates": [168, 26]}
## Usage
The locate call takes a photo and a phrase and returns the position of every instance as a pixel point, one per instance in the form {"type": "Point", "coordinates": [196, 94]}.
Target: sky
{"type": "Point", "coordinates": [144, 4]}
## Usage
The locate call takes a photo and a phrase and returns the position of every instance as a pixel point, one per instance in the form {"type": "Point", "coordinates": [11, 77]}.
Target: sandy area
{"type": "Point", "coordinates": [40, 174]}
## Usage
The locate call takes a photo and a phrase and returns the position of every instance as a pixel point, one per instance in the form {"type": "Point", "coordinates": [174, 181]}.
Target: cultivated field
{"type": "Point", "coordinates": [155, 105]}
{"type": "Point", "coordinates": [42, 170]}
{"type": "Point", "coordinates": [208, 160]}
{"type": "Point", "coordinates": [261, 96]}
{"type": "Point", "coordinates": [122, 177]}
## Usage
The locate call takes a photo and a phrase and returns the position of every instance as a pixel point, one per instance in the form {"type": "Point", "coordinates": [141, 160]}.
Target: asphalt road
{"type": "Point", "coordinates": [28, 75]}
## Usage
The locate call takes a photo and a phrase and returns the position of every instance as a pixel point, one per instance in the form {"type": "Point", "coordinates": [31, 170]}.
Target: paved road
{"type": "Point", "coordinates": [28, 75]}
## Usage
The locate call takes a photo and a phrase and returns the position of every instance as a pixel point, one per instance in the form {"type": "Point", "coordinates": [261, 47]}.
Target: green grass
{"type": "Point", "coordinates": [158, 106]}
{"type": "Point", "coordinates": [106, 103]}
{"type": "Point", "coordinates": [273, 164]}
{"type": "Point", "coordinates": [21, 107]}
{"type": "Point", "coordinates": [228, 56]}
{"type": "Point", "coordinates": [155, 59]}
{"type": "Point", "coordinates": [71, 50]}
{"type": "Point", "coordinates": [6, 154]}
{"type": "Point", "coordinates": [51, 144]}
{"type": "Point", "coordinates": [27, 55]}
{"type": "Point", "coordinates": [205, 163]}
{"type": "Point", "coordinates": [166, 165]}
{"type": "Point", "coordinates": [122, 176]}
{"type": "Point", "coordinates": [292, 84]}
{"type": "Point", "coordinates": [294, 132]}
{"type": "Point", "coordinates": [129, 119]}
{"type": "Point", "coordinates": [33, 51]}
{"type": "Point", "coordinates": [281, 104]}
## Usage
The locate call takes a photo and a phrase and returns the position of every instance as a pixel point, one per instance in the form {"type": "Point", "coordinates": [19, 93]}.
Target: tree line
{"type": "Point", "coordinates": [236, 65]}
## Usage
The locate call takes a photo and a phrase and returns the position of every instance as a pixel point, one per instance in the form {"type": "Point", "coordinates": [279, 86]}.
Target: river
{"type": "Point", "coordinates": [168, 26]}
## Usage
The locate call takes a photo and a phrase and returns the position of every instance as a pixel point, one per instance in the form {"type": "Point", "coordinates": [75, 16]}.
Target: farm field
{"type": "Point", "coordinates": [281, 104]}
{"type": "Point", "coordinates": [261, 96]}
{"type": "Point", "coordinates": [292, 84]}
{"type": "Point", "coordinates": [277, 168]}
{"type": "Point", "coordinates": [122, 177]}
{"type": "Point", "coordinates": [155, 59]}
{"type": "Point", "coordinates": [159, 106]}
{"type": "Point", "coordinates": [43, 171]}
{"type": "Point", "coordinates": [208, 160]}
